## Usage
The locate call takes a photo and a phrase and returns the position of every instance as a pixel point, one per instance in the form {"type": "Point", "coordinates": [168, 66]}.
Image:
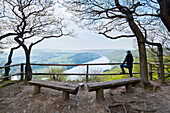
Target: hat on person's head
{"type": "Point", "coordinates": [128, 51]}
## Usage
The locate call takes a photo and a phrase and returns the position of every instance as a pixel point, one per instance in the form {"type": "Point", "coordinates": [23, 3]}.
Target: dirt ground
{"type": "Point", "coordinates": [18, 98]}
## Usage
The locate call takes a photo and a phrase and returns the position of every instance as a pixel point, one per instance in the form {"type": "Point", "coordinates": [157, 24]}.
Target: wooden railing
{"type": "Point", "coordinates": [150, 70]}
{"type": "Point", "coordinates": [21, 73]}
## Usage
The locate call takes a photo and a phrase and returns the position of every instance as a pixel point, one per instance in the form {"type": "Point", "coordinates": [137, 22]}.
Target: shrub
{"type": "Point", "coordinates": [57, 77]}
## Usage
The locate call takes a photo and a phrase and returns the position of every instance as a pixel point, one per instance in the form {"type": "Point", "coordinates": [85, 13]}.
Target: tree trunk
{"type": "Point", "coordinates": [143, 63]}
{"type": "Point", "coordinates": [28, 69]}
{"type": "Point", "coordinates": [142, 52]}
{"type": "Point", "coordinates": [161, 65]}
{"type": "Point", "coordinates": [7, 69]}
{"type": "Point", "coordinates": [141, 44]}
{"type": "Point", "coordinates": [165, 12]}
{"type": "Point", "coordinates": [161, 75]}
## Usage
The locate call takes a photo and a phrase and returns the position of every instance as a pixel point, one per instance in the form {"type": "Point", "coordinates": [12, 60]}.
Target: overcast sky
{"type": "Point", "coordinates": [85, 39]}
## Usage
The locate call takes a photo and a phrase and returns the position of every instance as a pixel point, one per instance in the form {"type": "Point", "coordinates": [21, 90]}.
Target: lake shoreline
{"type": "Point", "coordinates": [81, 69]}
{"type": "Point", "coordinates": [92, 69]}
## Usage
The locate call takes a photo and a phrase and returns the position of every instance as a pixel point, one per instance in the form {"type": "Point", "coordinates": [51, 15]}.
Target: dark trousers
{"type": "Point", "coordinates": [127, 66]}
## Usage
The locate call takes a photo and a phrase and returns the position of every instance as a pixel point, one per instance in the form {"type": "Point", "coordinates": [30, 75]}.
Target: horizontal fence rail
{"type": "Point", "coordinates": [78, 74]}
{"type": "Point", "coordinates": [1, 67]}
{"type": "Point", "coordinates": [87, 69]}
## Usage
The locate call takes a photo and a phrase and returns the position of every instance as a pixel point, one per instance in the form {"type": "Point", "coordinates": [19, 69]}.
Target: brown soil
{"type": "Point", "coordinates": [18, 98]}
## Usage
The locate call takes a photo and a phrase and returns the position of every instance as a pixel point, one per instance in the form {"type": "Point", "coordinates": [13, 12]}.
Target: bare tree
{"type": "Point", "coordinates": [5, 45]}
{"type": "Point", "coordinates": [161, 39]}
{"type": "Point", "coordinates": [163, 9]}
{"type": "Point", "coordinates": [1, 52]}
{"type": "Point", "coordinates": [7, 69]}
{"type": "Point", "coordinates": [165, 12]}
{"type": "Point", "coordinates": [122, 15]}
{"type": "Point", "coordinates": [31, 20]}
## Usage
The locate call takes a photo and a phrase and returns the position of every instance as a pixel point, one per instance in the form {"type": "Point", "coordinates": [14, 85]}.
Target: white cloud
{"type": "Point", "coordinates": [85, 39]}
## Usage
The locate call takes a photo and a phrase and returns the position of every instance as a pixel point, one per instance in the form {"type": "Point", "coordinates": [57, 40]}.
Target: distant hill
{"type": "Point", "coordinates": [83, 57]}
{"type": "Point", "coordinates": [66, 56]}
{"type": "Point", "coordinates": [54, 56]}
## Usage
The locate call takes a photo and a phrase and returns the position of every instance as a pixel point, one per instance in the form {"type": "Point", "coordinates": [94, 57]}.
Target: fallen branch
{"type": "Point", "coordinates": [143, 111]}
{"type": "Point", "coordinates": [117, 105]}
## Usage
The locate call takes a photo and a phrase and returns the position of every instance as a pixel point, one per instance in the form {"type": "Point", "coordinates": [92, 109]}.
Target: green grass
{"type": "Point", "coordinates": [8, 82]}
{"type": "Point", "coordinates": [116, 77]}
{"type": "Point", "coordinates": [60, 58]}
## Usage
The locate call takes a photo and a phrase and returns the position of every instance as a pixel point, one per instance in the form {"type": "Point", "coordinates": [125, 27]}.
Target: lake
{"type": "Point", "coordinates": [92, 69]}
{"type": "Point", "coordinates": [82, 69]}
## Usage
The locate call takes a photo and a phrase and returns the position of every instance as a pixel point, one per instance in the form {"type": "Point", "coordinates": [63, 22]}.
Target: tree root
{"type": "Point", "coordinates": [143, 111]}
{"type": "Point", "coordinates": [1, 99]}
{"type": "Point", "coordinates": [117, 105]}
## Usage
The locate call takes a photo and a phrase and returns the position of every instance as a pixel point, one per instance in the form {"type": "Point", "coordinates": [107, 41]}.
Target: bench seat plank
{"type": "Point", "coordinates": [112, 84]}
{"type": "Point", "coordinates": [61, 86]}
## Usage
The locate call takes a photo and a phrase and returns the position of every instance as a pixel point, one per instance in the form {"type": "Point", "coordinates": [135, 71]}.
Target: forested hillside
{"type": "Point", "coordinates": [83, 57]}
{"type": "Point", "coordinates": [66, 56]}
{"type": "Point", "coordinates": [52, 56]}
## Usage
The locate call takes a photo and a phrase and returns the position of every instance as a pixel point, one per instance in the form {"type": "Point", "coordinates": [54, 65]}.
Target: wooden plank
{"type": "Point", "coordinates": [10, 75]}
{"type": "Point", "coordinates": [65, 95]}
{"type": "Point", "coordinates": [128, 88]}
{"type": "Point", "coordinates": [112, 84]}
{"type": "Point", "coordinates": [22, 71]}
{"type": "Point", "coordinates": [84, 64]}
{"type": "Point", "coordinates": [63, 64]}
{"type": "Point", "coordinates": [78, 74]}
{"type": "Point", "coordinates": [61, 86]}
{"type": "Point", "coordinates": [100, 94]}
{"type": "Point", "coordinates": [158, 64]}
{"type": "Point", "coordinates": [9, 66]}
{"type": "Point", "coordinates": [87, 73]}
{"type": "Point", "coordinates": [159, 72]}
{"type": "Point", "coordinates": [81, 86]}
{"type": "Point", "coordinates": [76, 64]}
{"type": "Point", "coordinates": [36, 89]}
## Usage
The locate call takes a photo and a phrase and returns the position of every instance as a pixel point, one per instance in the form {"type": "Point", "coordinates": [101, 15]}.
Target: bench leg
{"type": "Point", "coordinates": [65, 95]}
{"type": "Point", "coordinates": [128, 88]}
{"type": "Point", "coordinates": [99, 95]}
{"type": "Point", "coordinates": [37, 89]}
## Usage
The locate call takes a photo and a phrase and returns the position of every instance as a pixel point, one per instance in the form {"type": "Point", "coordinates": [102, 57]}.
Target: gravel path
{"type": "Point", "coordinates": [18, 98]}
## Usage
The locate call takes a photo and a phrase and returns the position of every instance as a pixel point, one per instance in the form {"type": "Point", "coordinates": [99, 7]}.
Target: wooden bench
{"type": "Point", "coordinates": [99, 86]}
{"type": "Point", "coordinates": [67, 88]}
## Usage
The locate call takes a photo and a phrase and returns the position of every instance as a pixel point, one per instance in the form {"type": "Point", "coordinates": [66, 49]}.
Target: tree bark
{"type": "Point", "coordinates": [161, 65]}
{"type": "Point", "coordinates": [165, 12]}
{"type": "Point", "coordinates": [160, 58]}
{"type": "Point", "coordinates": [141, 43]}
{"type": "Point", "coordinates": [142, 52]}
{"type": "Point", "coordinates": [159, 77]}
{"type": "Point", "coordinates": [7, 69]}
{"type": "Point", "coordinates": [28, 69]}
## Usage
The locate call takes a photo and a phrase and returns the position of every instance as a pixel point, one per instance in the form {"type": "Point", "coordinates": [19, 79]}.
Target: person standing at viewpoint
{"type": "Point", "coordinates": [129, 63]}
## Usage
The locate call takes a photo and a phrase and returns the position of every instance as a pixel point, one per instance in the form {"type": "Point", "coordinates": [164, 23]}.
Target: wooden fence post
{"type": "Point", "coordinates": [150, 71]}
{"type": "Point", "coordinates": [87, 72]}
{"type": "Point", "coordinates": [22, 71]}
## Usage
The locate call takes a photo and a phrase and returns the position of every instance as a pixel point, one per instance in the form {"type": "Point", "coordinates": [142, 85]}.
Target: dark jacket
{"type": "Point", "coordinates": [128, 60]}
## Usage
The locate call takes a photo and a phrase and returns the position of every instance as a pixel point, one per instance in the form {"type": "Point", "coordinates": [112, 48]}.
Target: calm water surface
{"type": "Point", "coordinates": [94, 69]}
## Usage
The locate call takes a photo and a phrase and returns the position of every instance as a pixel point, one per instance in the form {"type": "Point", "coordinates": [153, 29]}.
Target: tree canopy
{"type": "Point", "coordinates": [30, 20]}
{"type": "Point", "coordinates": [133, 17]}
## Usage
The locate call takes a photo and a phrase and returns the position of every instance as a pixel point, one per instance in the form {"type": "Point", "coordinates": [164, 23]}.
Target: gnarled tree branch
{"type": "Point", "coordinates": [7, 35]}
{"type": "Point", "coordinates": [121, 36]}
